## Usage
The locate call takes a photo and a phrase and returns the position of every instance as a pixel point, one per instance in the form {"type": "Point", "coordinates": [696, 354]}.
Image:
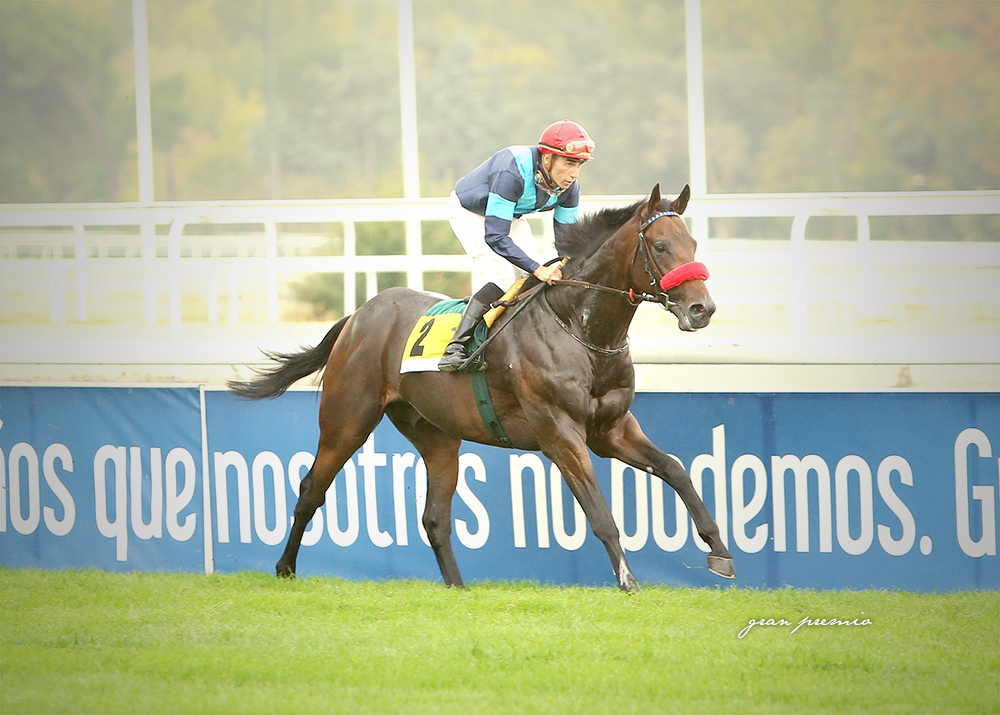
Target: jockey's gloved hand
{"type": "Point", "coordinates": [548, 273]}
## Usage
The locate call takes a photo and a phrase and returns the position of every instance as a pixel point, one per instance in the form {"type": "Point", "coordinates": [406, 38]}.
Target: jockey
{"type": "Point", "coordinates": [487, 211]}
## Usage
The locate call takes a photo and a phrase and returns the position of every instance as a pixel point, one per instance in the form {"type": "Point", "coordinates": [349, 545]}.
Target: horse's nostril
{"type": "Point", "coordinates": [701, 311]}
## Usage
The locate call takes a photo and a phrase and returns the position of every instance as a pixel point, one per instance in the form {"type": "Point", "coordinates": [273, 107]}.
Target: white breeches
{"type": "Point", "coordinates": [487, 266]}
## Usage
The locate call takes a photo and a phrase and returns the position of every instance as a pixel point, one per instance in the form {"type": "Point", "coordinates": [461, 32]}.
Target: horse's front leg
{"type": "Point", "coordinates": [624, 440]}
{"type": "Point", "coordinates": [565, 444]}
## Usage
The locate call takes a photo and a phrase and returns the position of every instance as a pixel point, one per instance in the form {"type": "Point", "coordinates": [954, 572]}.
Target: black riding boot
{"type": "Point", "coordinates": [457, 351]}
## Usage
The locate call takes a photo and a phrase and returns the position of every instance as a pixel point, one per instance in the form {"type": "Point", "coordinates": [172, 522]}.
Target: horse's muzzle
{"type": "Point", "coordinates": [692, 313]}
{"type": "Point", "coordinates": [693, 316]}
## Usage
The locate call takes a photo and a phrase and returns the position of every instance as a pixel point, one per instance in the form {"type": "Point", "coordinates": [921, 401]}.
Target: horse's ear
{"type": "Point", "coordinates": [681, 202]}
{"type": "Point", "coordinates": [653, 204]}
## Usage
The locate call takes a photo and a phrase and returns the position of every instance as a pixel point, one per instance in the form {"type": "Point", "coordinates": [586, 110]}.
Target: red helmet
{"type": "Point", "coordinates": [566, 138]}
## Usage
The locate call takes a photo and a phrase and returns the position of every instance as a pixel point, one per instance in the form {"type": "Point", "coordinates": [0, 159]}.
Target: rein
{"type": "Point", "coordinates": [633, 297]}
{"type": "Point", "coordinates": [584, 343]}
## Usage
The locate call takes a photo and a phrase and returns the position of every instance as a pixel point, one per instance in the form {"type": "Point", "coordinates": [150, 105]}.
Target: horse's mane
{"type": "Point", "coordinates": [581, 239]}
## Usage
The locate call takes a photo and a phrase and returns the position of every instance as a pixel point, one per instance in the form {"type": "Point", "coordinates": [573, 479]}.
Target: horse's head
{"type": "Point", "coordinates": [668, 265]}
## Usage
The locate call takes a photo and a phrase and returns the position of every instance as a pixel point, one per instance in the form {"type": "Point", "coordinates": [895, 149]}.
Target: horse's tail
{"type": "Point", "coordinates": [273, 381]}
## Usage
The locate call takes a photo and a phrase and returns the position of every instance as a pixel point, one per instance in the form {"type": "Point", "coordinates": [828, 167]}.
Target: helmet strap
{"type": "Point", "coordinates": [542, 177]}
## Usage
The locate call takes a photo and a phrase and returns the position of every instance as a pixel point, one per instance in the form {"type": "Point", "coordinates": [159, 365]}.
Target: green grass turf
{"type": "Point", "coordinates": [93, 641]}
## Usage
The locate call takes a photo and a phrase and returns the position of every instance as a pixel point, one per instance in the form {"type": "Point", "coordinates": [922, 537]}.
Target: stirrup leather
{"type": "Point", "coordinates": [457, 353]}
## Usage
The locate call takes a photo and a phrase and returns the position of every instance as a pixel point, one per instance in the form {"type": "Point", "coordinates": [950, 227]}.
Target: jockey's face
{"type": "Point", "coordinates": [562, 170]}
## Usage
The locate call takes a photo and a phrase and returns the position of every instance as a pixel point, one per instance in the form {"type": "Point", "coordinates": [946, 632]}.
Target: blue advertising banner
{"type": "Point", "coordinates": [101, 477]}
{"type": "Point", "coordinates": [822, 491]}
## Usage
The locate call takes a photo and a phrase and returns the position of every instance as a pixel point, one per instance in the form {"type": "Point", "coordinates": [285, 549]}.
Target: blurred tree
{"type": "Point", "coordinates": [506, 70]}
{"type": "Point", "coordinates": [206, 60]}
{"type": "Point", "coordinates": [65, 121]}
{"type": "Point", "coordinates": [461, 110]}
{"type": "Point", "coordinates": [338, 104]}
{"type": "Point", "coordinates": [882, 95]}
{"type": "Point", "coordinates": [348, 130]}
{"type": "Point", "coordinates": [801, 95]}
{"type": "Point", "coordinates": [930, 73]}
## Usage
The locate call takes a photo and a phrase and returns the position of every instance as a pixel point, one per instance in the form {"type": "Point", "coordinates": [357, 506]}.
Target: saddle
{"type": "Point", "coordinates": [434, 329]}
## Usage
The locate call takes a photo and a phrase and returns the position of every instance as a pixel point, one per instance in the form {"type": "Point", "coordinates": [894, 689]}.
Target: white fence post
{"type": "Point", "coordinates": [350, 276]}
{"type": "Point", "coordinates": [271, 237]}
{"type": "Point", "coordinates": [149, 277]}
{"type": "Point", "coordinates": [174, 275]}
{"type": "Point", "coordinates": [800, 274]}
{"type": "Point", "coordinates": [414, 274]}
{"type": "Point", "coordinates": [57, 294]}
{"type": "Point", "coordinates": [80, 258]}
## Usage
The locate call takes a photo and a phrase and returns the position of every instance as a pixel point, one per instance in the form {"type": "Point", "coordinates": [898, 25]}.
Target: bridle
{"type": "Point", "coordinates": [660, 296]}
{"type": "Point", "coordinates": [661, 286]}
{"type": "Point", "coordinates": [671, 279]}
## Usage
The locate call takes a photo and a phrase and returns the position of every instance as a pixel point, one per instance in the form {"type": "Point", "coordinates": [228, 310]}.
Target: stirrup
{"type": "Point", "coordinates": [456, 354]}
{"type": "Point", "coordinates": [457, 358]}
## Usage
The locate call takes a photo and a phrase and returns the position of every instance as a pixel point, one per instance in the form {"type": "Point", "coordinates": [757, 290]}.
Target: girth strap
{"type": "Point", "coordinates": [481, 394]}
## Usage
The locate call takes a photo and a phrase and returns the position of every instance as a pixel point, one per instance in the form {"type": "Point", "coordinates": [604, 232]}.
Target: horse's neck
{"type": "Point", "coordinates": [602, 318]}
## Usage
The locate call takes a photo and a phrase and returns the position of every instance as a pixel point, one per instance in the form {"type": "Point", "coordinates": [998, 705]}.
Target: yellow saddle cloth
{"type": "Point", "coordinates": [430, 336]}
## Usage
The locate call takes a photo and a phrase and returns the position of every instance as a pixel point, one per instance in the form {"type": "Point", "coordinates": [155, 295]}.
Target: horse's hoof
{"type": "Point", "coordinates": [284, 571]}
{"type": "Point", "coordinates": [721, 566]}
{"type": "Point", "coordinates": [629, 584]}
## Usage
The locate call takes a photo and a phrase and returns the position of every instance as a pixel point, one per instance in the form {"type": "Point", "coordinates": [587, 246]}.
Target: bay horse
{"type": "Point", "coordinates": [560, 377]}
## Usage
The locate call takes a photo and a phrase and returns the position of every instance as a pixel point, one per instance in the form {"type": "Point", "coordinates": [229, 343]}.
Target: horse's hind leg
{"type": "Point", "coordinates": [440, 454]}
{"type": "Point", "coordinates": [312, 495]}
{"type": "Point", "coordinates": [344, 427]}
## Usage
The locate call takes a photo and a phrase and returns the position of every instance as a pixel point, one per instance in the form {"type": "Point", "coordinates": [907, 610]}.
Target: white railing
{"type": "Point", "coordinates": [179, 216]}
{"type": "Point", "coordinates": [81, 226]}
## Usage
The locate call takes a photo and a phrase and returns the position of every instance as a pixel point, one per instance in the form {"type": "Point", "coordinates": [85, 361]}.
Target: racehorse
{"type": "Point", "coordinates": [560, 378]}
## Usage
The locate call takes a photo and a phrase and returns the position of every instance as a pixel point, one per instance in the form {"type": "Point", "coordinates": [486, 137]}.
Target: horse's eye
{"type": "Point", "coordinates": [660, 247]}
